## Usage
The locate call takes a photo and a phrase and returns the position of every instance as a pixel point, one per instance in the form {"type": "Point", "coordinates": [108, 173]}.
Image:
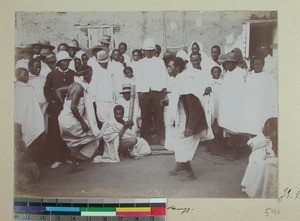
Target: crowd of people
{"type": "Point", "coordinates": [100, 104]}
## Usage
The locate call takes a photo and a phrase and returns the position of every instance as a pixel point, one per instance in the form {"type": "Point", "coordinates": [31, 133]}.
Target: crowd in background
{"type": "Point", "coordinates": [102, 104]}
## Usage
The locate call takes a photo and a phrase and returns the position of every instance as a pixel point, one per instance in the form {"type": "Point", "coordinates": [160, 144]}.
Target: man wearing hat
{"type": "Point", "coordinates": [25, 54]}
{"type": "Point", "coordinates": [73, 49]}
{"type": "Point", "coordinates": [152, 81]}
{"type": "Point", "coordinates": [36, 49]}
{"type": "Point", "coordinates": [221, 60]}
{"type": "Point", "coordinates": [230, 104]}
{"type": "Point", "coordinates": [60, 77]}
{"type": "Point", "coordinates": [105, 41]}
{"type": "Point", "coordinates": [46, 45]}
{"type": "Point", "coordinates": [50, 61]}
{"type": "Point", "coordinates": [101, 87]}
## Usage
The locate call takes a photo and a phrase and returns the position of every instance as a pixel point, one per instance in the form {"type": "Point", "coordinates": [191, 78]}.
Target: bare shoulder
{"type": "Point", "coordinates": [76, 88]}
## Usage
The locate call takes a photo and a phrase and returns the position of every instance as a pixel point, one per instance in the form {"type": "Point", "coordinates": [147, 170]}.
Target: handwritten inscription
{"type": "Point", "coordinates": [289, 194]}
{"type": "Point", "coordinates": [183, 210]}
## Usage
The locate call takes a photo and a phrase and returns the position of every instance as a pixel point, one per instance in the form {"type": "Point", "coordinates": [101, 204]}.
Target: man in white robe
{"type": "Point", "coordinates": [116, 69]}
{"type": "Point", "coordinates": [187, 122]}
{"type": "Point", "coordinates": [230, 103]}
{"type": "Point", "coordinates": [101, 86]}
{"type": "Point", "coordinates": [271, 63]}
{"type": "Point", "coordinates": [260, 100]}
{"type": "Point", "coordinates": [37, 81]}
{"type": "Point", "coordinates": [27, 111]}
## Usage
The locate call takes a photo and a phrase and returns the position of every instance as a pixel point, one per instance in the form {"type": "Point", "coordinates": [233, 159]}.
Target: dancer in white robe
{"type": "Point", "coordinates": [187, 123]}
{"type": "Point", "coordinates": [77, 121]}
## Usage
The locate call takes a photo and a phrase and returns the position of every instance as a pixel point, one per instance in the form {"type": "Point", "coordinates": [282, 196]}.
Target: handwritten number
{"type": "Point", "coordinates": [270, 211]}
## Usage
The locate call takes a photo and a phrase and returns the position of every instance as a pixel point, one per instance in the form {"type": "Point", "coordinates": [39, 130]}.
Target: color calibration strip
{"type": "Point", "coordinates": [90, 209]}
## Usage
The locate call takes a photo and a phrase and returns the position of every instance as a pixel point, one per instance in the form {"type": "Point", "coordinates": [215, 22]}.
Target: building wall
{"type": "Point", "coordinates": [181, 28]}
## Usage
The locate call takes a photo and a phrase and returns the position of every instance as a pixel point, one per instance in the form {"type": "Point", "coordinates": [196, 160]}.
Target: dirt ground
{"type": "Point", "coordinates": [144, 177]}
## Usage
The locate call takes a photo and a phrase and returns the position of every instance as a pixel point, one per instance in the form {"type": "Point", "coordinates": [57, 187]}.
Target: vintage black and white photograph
{"type": "Point", "coordinates": [174, 104]}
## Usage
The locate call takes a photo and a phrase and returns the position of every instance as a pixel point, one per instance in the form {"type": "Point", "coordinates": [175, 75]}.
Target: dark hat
{"type": "Point", "coordinates": [46, 45]}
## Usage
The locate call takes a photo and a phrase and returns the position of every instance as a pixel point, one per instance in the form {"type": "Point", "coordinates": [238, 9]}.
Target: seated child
{"type": "Point", "coordinates": [261, 176]}
{"type": "Point", "coordinates": [217, 83]}
{"type": "Point", "coordinates": [120, 138]}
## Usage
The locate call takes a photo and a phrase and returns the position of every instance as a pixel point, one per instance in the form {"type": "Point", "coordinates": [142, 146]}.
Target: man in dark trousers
{"type": "Point", "coordinates": [61, 76]}
{"type": "Point", "coordinates": [151, 84]}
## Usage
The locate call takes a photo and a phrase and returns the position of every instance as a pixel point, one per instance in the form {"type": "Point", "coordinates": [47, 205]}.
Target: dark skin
{"type": "Point", "coordinates": [128, 73]}
{"type": "Point", "coordinates": [23, 77]}
{"type": "Point", "coordinates": [62, 48]}
{"type": "Point", "coordinates": [136, 56]}
{"type": "Point", "coordinates": [195, 48]}
{"type": "Point", "coordinates": [196, 62]}
{"type": "Point", "coordinates": [74, 94]}
{"type": "Point", "coordinates": [122, 48]}
{"type": "Point", "coordinates": [127, 143]}
{"type": "Point", "coordinates": [215, 73]}
{"type": "Point", "coordinates": [149, 53]}
{"type": "Point", "coordinates": [77, 62]}
{"type": "Point", "coordinates": [258, 65]}
{"type": "Point", "coordinates": [72, 52]}
{"type": "Point", "coordinates": [103, 65]}
{"type": "Point", "coordinates": [119, 114]}
{"type": "Point", "coordinates": [121, 60]}
{"type": "Point", "coordinates": [35, 69]}
{"type": "Point", "coordinates": [215, 53]}
{"type": "Point", "coordinates": [105, 44]}
{"type": "Point", "coordinates": [230, 65]}
{"type": "Point", "coordinates": [36, 49]}
{"type": "Point", "coordinates": [173, 71]}
{"type": "Point", "coordinates": [264, 50]}
{"type": "Point", "coordinates": [126, 96]}
{"type": "Point", "coordinates": [116, 56]}
{"type": "Point", "coordinates": [85, 59]}
{"type": "Point", "coordinates": [51, 65]}
{"type": "Point", "coordinates": [63, 64]}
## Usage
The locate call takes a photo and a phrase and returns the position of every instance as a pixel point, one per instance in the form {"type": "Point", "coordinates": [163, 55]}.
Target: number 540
{"type": "Point", "coordinates": [270, 211]}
